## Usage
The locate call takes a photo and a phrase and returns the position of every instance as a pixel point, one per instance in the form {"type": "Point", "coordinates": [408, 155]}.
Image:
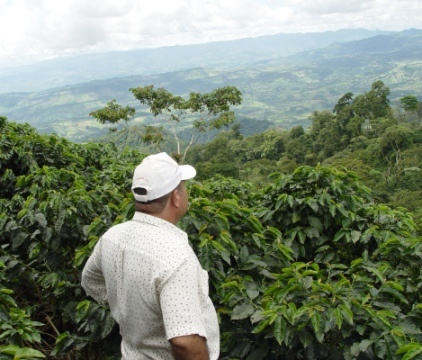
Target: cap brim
{"type": "Point", "coordinates": [188, 172]}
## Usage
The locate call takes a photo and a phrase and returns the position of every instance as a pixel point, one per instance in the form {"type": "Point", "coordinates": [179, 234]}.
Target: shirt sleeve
{"type": "Point", "coordinates": [92, 277]}
{"type": "Point", "coordinates": [180, 301]}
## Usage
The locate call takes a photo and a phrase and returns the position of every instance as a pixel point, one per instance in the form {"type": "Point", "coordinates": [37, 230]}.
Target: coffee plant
{"type": "Point", "coordinates": [309, 267]}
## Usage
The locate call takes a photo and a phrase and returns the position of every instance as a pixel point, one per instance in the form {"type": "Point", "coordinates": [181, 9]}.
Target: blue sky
{"type": "Point", "coordinates": [32, 30]}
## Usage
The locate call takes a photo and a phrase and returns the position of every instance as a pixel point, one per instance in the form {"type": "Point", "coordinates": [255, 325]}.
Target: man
{"type": "Point", "coordinates": [147, 273]}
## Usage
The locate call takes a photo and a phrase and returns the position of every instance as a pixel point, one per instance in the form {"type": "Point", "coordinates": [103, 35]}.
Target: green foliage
{"type": "Point", "coordinates": [306, 267]}
{"type": "Point", "coordinates": [113, 113]}
{"type": "Point", "coordinates": [14, 352]}
{"type": "Point", "coordinates": [362, 134]}
{"type": "Point", "coordinates": [231, 155]}
{"type": "Point", "coordinates": [17, 331]}
{"type": "Point", "coordinates": [210, 111]}
{"type": "Point", "coordinates": [57, 198]}
{"type": "Point", "coordinates": [409, 102]}
{"type": "Point", "coordinates": [312, 268]}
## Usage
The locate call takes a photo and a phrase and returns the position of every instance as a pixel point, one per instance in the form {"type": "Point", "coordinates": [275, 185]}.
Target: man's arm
{"type": "Point", "coordinates": [92, 278]}
{"type": "Point", "coordinates": [189, 347]}
{"type": "Point", "coordinates": [183, 314]}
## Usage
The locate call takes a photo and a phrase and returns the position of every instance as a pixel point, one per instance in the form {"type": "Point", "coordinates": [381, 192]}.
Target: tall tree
{"type": "Point", "coordinates": [206, 112]}
{"type": "Point", "coordinates": [379, 104]}
{"type": "Point", "coordinates": [409, 102]}
{"type": "Point", "coordinates": [413, 108]}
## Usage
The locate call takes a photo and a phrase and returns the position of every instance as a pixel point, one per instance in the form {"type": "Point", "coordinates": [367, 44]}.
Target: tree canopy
{"type": "Point", "coordinates": [206, 111]}
{"type": "Point", "coordinates": [385, 149]}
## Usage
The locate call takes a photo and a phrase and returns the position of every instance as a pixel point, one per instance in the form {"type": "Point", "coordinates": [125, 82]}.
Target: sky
{"type": "Point", "coordinates": [33, 30]}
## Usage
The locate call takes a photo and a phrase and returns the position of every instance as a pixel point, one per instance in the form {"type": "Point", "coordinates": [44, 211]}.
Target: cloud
{"type": "Point", "coordinates": [333, 6]}
{"type": "Point", "coordinates": [38, 29]}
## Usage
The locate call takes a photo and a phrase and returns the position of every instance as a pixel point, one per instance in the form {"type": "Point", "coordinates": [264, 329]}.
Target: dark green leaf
{"type": "Point", "coordinates": [315, 223]}
{"type": "Point", "coordinates": [242, 311]}
{"type": "Point", "coordinates": [258, 354]}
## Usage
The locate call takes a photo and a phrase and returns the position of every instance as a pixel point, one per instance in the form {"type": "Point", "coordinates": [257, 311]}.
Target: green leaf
{"type": "Point", "coordinates": [28, 353]}
{"type": "Point", "coordinates": [306, 338]}
{"type": "Point", "coordinates": [399, 296]}
{"type": "Point", "coordinates": [9, 349]}
{"type": "Point", "coordinates": [338, 316]}
{"type": "Point", "coordinates": [347, 314]}
{"type": "Point", "coordinates": [410, 346]}
{"type": "Point", "coordinates": [286, 251]}
{"type": "Point", "coordinates": [230, 284]}
{"type": "Point", "coordinates": [410, 328]}
{"type": "Point", "coordinates": [411, 354]}
{"type": "Point", "coordinates": [395, 285]}
{"type": "Point", "coordinates": [280, 329]}
{"type": "Point", "coordinates": [107, 326]}
{"type": "Point", "coordinates": [316, 223]}
{"type": "Point", "coordinates": [354, 349]}
{"type": "Point", "coordinates": [258, 354]}
{"type": "Point", "coordinates": [244, 254]}
{"type": "Point", "coordinates": [311, 202]}
{"type": "Point", "coordinates": [254, 224]}
{"type": "Point", "coordinates": [377, 273]}
{"type": "Point", "coordinates": [312, 232]}
{"type": "Point", "coordinates": [222, 222]}
{"type": "Point", "coordinates": [252, 289]}
{"type": "Point", "coordinates": [338, 235]}
{"type": "Point", "coordinates": [296, 217]}
{"type": "Point", "coordinates": [302, 236]}
{"type": "Point", "coordinates": [41, 219]}
{"type": "Point", "coordinates": [365, 344]}
{"type": "Point", "coordinates": [242, 311]}
{"type": "Point", "coordinates": [355, 235]}
{"type": "Point", "coordinates": [318, 324]}
{"type": "Point", "coordinates": [226, 237]}
{"type": "Point", "coordinates": [262, 325]}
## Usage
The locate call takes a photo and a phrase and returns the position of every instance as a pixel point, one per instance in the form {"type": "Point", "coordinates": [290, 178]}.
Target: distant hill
{"type": "Point", "coordinates": [223, 55]}
{"type": "Point", "coordinates": [278, 89]}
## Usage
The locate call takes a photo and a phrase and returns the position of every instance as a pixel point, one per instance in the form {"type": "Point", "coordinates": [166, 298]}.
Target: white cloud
{"type": "Point", "coordinates": [37, 29]}
{"type": "Point", "coordinates": [333, 6]}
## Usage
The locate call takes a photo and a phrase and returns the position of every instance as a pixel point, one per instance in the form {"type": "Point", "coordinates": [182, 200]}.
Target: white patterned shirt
{"type": "Point", "coordinates": [148, 274]}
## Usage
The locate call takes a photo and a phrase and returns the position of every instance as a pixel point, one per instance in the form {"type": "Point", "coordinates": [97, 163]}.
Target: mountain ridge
{"type": "Point", "coordinates": [282, 90]}
{"type": "Point", "coordinates": [220, 54]}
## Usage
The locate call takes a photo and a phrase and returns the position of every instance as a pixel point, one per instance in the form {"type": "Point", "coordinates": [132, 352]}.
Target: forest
{"type": "Point", "coordinates": [311, 237]}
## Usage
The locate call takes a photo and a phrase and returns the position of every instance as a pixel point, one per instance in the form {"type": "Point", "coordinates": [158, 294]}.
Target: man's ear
{"type": "Point", "coordinates": [175, 198]}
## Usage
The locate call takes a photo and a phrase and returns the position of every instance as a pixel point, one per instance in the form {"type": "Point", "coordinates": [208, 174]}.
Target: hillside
{"type": "Point", "coordinates": [283, 90]}
{"type": "Point", "coordinates": [310, 266]}
{"type": "Point", "coordinates": [225, 55]}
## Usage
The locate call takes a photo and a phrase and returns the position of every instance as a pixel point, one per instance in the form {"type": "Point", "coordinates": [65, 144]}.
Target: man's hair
{"type": "Point", "coordinates": [155, 206]}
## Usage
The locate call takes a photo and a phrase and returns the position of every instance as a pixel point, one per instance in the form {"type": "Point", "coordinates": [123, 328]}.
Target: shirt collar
{"type": "Point", "coordinates": [153, 220]}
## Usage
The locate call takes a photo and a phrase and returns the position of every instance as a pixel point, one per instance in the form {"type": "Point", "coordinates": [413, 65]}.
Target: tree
{"type": "Point", "coordinates": [413, 108]}
{"type": "Point", "coordinates": [206, 112]}
{"type": "Point", "coordinates": [409, 102]}
{"type": "Point", "coordinates": [377, 100]}
{"type": "Point", "coordinates": [345, 101]}
{"type": "Point", "coordinates": [325, 134]}
{"type": "Point", "coordinates": [296, 131]}
{"type": "Point", "coordinates": [394, 140]}
{"type": "Point", "coordinates": [113, 113]}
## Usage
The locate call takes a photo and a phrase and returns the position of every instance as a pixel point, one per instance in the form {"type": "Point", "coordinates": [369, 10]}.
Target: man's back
{"type": "Point", "coordinates": [147, 264]}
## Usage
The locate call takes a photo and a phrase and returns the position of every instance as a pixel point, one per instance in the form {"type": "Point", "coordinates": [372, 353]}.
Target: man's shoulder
{"type": "Point", "coordinates": [149, 238]}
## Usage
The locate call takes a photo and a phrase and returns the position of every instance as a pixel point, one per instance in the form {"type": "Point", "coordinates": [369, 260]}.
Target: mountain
{"type": "Point", "coordinates": [223, 55]}
{"type": "Point", "coordinates": [278, 89]}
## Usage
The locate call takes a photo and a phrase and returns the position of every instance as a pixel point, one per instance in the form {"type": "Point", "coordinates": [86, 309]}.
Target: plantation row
{"type": "Point", "coordinates": [309, 267]}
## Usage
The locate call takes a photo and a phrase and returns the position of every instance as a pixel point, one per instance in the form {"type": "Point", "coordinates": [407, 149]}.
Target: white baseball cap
{"type": "Point", "coordinates": [159, 175]}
